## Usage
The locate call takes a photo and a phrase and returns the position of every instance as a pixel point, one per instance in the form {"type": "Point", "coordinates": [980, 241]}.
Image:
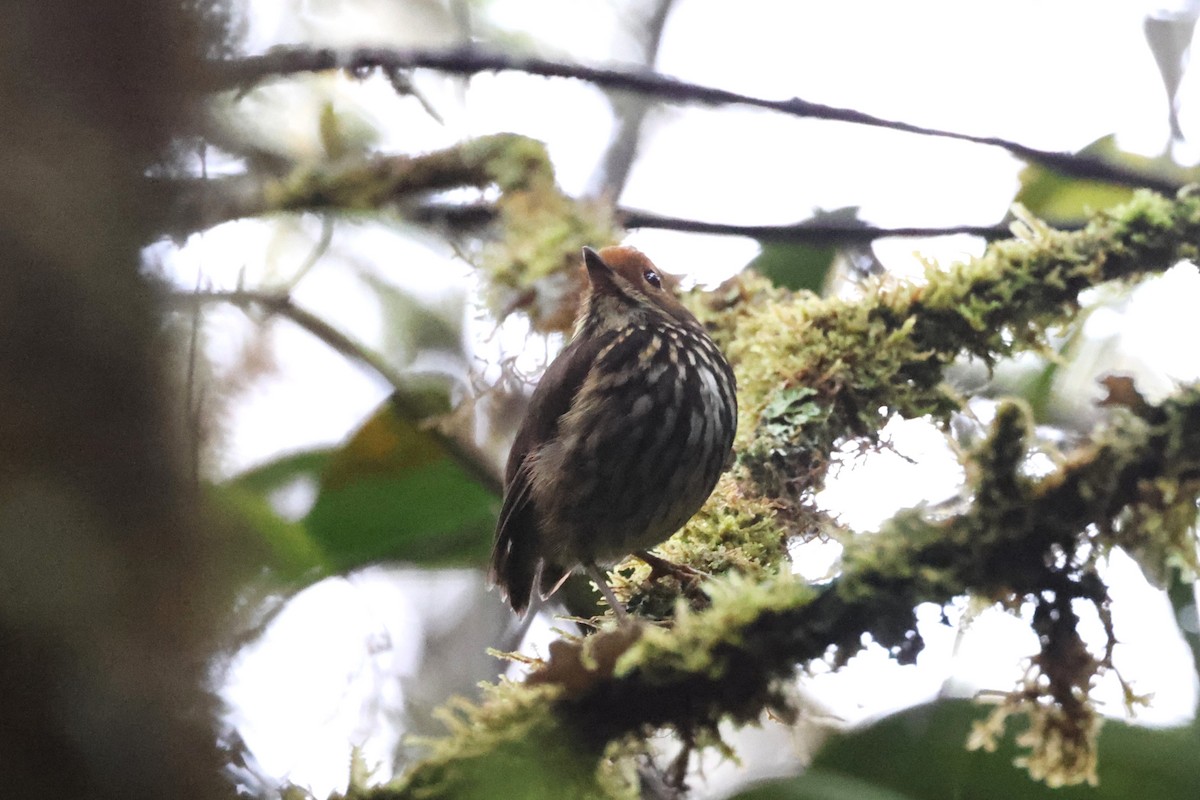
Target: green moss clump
{"type": "Point", "coordinates": [813, 372]}
{"type": "Point", "coordinates": [534, 263]}
{"type": "Point", "coordinates": [734, 533]}
{"type": "Point", "coordinates": [509, 745]}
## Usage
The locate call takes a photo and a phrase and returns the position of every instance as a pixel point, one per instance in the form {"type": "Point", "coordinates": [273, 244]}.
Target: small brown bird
{"type": "Point", "coordinates": [624, 439]}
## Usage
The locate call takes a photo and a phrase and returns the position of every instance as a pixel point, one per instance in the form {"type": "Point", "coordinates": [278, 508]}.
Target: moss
{"type": "Point", "coordinates": [509, 745]}
{"type": "Point", "coordinates": [1159, 526]}
{"type": "Point", "coordinates": [534, 263]}
{"type": "Point", "coordinates": [707, 667]}
{"type": "Point", "coordinates": [812, 372]}
{"type": "Point", "coordinates": [733, 533]}
{"type": "Point", "coordinates": [1015, 543]}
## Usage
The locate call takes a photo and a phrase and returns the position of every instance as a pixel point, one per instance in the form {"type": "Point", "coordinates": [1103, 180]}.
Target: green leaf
{"type": "Point", "coordinates": [285, 547]}
{"type": "Point", "coordinates": [920, 754]}
{"type": "Point", "coordinates": [792, 265]}
{"type": "Point", "coordinates": [1058, 199]}
{"type": "Point", "coordinates": [391, 493]}
{"type": "Point", "coordinates": [818, 784]}
{"type": "Point", "coordinates": [283, 471]}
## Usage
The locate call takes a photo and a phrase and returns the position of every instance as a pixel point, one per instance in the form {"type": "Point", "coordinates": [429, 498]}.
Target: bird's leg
{"type": "Point", "coordinates": [601, 580]}
{"type": "Point", "coordinates": [660, 567]}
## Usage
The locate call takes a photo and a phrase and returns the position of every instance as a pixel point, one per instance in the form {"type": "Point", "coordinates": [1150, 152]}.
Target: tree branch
{"type": "Point", "coordinates": [814, 233]}
{"type": "Point", "coordinates": [245, 72]}
{"type": "Point", "coordinates": [460, 448]}
{"type": "Point", "coordinates": [630, 108]}
{"type": "Point", "coordinates": [192, 204]}
{"type": "Point", "coordinates": [1134, 485]}
{"type": "Point", "coordinates": [726, 663]}
{"type": "Point", "coordinates": [813, 370]}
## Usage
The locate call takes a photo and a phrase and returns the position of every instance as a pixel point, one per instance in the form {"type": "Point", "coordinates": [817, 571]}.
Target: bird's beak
{"type": "Point", "coordinates": [599, 274]}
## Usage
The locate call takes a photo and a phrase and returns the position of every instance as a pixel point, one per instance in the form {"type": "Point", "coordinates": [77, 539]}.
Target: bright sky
{"type": "Point", "coordinates": [1049, 74]}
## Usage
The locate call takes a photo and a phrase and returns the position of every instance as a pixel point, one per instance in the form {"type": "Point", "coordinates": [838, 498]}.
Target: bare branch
{"type": "Point", "coordinates": [196, 204]}
{"type": "Point", "coordinates": [235, 73]}
{"type": "Point", "coordinates": [813, 233]}
{"type": "Point", "coordinates": [631, 108]}
{"type": "Point", "coordinates": [460, 448]}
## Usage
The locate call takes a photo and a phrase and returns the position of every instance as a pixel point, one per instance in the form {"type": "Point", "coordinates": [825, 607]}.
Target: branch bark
{"type": "Point", "coordinates": [726, 663]}
{"type": "Point", "coordinates": [194, 204]}
{"type": "Point", "coordinates": [1133, 485]}
{"type": "Point", "coordinates": [245, 72]}
{"type": "Point", "coordinates": [460, 447]}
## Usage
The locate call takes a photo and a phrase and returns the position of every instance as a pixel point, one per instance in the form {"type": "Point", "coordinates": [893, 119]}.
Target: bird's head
{"type": "Point", "coordinates": [624, 280]}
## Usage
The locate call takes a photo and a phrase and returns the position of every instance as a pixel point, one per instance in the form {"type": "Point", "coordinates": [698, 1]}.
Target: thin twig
{"type": "Point", "coordinates": [198, 204]}
{"type": "Point", "coordinates": [631, 108]}
{"type": "Point", "coordinates": [464, 452]}
{"type": "Point", "coordinates": [472, 215]}
{"type": "Point", "coordinates": [234, 73]}
{"type": "Point", "coordinates": [194, 404]}
{"type": "Point", "coordinates": [818, 234]}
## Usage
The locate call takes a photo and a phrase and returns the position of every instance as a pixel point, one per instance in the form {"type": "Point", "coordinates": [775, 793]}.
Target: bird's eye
{"type": "Point", "coordinates": [652, 278]}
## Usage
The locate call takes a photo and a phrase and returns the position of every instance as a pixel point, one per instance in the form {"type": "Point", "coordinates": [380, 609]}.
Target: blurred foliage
{"type": "Point", "coordinates": [1060, 200]}
{"type": "Point", "coordinates": [392, 492]}
{"type": "Point", "coordinates": [795, 265]}
{"type": "Point", "coordinates": [286, 547]}
{"type": "Point", "coordinates": [388, 493]}
{"type": "Point", "coordinates": [918, 754]}
{"type": "Point", "coordinates": [114, 576]}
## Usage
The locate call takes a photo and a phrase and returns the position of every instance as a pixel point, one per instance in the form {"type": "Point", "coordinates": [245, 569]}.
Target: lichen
{"type": "Point", "coordinates": [733, 533]}
{"type": "Point", "coordinates": [508, 745]}
{"type": "Point", "coordinates": [813, 372]}
{"type": "Point", "coordinates": [1060, 747]}
{"type": "Point", "coordinates": [533, 263]}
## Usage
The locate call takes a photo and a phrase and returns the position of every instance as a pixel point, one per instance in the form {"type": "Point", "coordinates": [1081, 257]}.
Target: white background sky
{"type": "Point", "coordinates": [1053, 75]}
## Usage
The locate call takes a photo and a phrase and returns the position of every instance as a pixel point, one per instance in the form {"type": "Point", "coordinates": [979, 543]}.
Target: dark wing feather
{"type": "Point", "coordinates": [517, 549]}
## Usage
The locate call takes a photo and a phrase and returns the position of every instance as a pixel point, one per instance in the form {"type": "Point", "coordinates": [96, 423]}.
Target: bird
{"type": "Point", "coordinates": [624, 438]}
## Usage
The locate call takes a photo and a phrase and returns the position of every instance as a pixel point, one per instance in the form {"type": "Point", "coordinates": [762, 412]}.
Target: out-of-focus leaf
{"type": "Point", "coordinates": [285, 470]}
{"type": "Point", "coordinates": [817, 784]}
{"type": "Point", "coordinates": [793, 265]}
{"type": "Point", "coordinates": [921, 754]}
{"type": "Point", "coordinates": [391, 493]}
{"type": "Point", "coordinates": [1169, 33]}
{"type": "Point", "coordinates": [1057, 198]}
{"type": "Point", "coordinates": [412, 325]}
{"type": "Point", "coordinates": [285, 547]}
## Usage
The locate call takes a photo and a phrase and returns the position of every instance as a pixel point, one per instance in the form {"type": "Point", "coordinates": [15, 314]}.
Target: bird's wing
{"type": "Point", "coordinates": [517, 550]}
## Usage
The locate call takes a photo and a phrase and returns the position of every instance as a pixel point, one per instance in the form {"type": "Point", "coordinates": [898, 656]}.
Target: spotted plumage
{"type": "Point", "coordinates": [625, 436]}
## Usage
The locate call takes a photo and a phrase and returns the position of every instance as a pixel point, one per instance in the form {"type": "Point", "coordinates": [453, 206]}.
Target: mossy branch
{"type": "Point", "coordinates": [471, 60]}
{"type": "Point", "coordinates": [813, 372]}
{"type": "Point", "coordinates": [508, 161]}
{"type": "Point", "coordinates": [847, 367]}
{"type": "Point", "coordinates": [530, 258]}
{"type": "Point", "coordinates": [728, 662]}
